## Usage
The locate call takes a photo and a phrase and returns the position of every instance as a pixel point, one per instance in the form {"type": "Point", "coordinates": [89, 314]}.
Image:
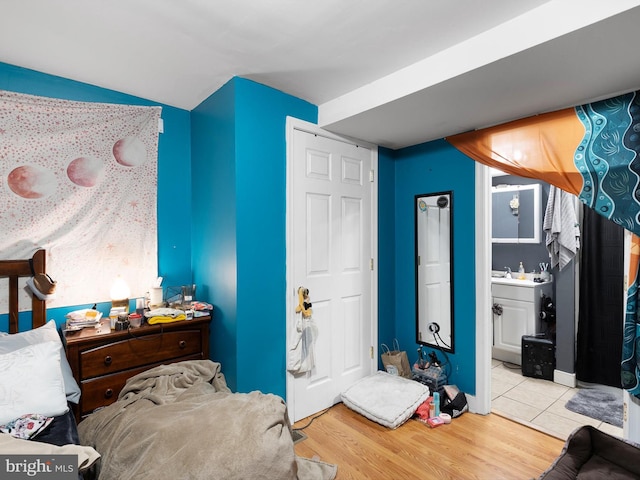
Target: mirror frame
{"type": "Point", "coordinates": [437, 342]}
{"type": "Point", "coordinates": [536, 215]}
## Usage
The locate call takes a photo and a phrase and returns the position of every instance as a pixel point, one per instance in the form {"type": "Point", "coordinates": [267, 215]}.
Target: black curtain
{"type": "Point", "coordinates": [599, 339]}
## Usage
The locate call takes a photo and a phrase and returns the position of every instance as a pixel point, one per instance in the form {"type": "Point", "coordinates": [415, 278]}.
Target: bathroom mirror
{"type": "Point", "coordinates": [516, 214]}
{"type": "Point", "coordinates": [434, 270]}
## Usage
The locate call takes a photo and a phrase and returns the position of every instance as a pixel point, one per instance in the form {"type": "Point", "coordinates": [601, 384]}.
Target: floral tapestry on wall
{"type": "Point", "coordinates": [79, 180]}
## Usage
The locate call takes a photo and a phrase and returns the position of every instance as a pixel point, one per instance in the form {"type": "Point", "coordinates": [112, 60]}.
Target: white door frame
{"type": "Point", "coordinates": [291, 298]}
{"type": "Point", "coordinates": [631, 403]}
{"type": "Point", "coordinates": [481, 401]}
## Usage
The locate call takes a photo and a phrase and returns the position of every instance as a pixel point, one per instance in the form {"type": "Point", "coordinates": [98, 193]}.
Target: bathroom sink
{"type": "Point", "coordinates": [514, 281]}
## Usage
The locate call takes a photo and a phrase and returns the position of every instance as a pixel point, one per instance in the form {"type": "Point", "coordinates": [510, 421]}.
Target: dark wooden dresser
{"type": "Point", "coordinates": [103, 360]}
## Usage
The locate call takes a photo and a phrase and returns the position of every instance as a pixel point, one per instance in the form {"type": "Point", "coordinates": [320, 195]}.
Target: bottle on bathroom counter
{"type": "Point", "coordinates": [521, 274]}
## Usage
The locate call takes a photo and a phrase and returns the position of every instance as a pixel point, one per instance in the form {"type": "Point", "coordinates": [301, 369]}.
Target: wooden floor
{"type": "Point", "coordinates": [484, 447]}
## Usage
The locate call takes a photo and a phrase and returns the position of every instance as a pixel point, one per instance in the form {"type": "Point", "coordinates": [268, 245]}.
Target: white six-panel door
{"type": "Point", "coordinates": [330, 252]}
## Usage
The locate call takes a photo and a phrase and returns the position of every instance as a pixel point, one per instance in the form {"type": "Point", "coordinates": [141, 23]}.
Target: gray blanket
{"type": "Point", "coordinates": [180, 421]}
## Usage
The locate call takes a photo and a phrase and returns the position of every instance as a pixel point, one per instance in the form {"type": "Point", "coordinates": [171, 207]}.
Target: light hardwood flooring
{"type": "Point", "coordinates": [473, 446]}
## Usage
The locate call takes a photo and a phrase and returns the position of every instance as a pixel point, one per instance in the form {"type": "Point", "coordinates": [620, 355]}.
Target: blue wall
{"type": "Point", "coordinates": [174, 169]}
{"type": "Point", "coordinates": [431, 167]}
{"type": "Point", "coordinates": [214, 219]}
{"type": "Point", "coordinates": [387, 248]}
{"type": "Point", "coordinates": [239, 249]}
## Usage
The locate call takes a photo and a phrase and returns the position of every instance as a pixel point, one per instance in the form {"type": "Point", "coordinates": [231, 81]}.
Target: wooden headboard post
{"type": "Point", "coordinates": [14, 269]}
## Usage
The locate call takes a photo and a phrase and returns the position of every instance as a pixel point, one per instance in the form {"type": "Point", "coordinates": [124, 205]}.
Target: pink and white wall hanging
{"type": "Point", "coordinates": [80, 180]}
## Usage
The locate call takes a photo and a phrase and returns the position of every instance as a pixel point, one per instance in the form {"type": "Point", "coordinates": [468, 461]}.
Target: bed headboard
{"type": "Point", "coordinates": [14, 269]}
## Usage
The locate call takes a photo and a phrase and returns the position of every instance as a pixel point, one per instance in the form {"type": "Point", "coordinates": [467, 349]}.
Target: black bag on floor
{"type": "Point", "coordinates": [455, 407]}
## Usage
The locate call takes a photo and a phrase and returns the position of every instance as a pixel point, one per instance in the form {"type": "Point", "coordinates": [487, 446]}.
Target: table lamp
{"type": "Point", "coordinates": [120, 294]}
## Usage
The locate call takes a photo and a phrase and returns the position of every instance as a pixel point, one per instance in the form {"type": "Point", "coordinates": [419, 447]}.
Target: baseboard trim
{"type": "Point", "coordinates": [475, 406]}
{"type": "Point", "coordinates": [564, 378]}
{"type": "Point", "coordinates": [506, 356]}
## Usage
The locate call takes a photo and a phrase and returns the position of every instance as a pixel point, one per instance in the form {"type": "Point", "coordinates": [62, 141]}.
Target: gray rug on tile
{"type": "Point", "coordinates": [598, 404]}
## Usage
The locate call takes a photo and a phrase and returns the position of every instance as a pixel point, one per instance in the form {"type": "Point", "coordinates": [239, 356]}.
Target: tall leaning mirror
{"type": "Point", "coordinates": [434, 270]}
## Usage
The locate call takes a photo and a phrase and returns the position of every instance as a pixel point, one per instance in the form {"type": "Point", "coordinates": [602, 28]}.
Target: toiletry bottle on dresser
{"type": "Point", "coordinates": [521, 275]}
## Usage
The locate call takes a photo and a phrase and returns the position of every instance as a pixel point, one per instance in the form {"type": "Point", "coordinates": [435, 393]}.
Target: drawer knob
{"type": "Point", "coordinates": [108, 360]}
{"type": "Point", "coordinates": [108, 393]}
{"type": "Point", "coordinates": [182, 344]}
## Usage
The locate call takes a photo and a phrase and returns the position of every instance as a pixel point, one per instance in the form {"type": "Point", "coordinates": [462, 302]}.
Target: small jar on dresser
{"type": "Point", "coordinates": [102, 360]}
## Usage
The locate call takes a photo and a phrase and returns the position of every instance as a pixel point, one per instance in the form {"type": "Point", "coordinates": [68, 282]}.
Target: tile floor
{"type": "Point", "coordinates": [537, 403]}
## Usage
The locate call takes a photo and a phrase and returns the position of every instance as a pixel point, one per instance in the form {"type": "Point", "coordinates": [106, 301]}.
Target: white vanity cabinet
{"type": "Point", "coordinates": [516, 312]}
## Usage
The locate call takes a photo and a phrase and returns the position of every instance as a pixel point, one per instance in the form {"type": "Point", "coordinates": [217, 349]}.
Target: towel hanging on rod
{"type": "Point", "coordinates": [561, 226]}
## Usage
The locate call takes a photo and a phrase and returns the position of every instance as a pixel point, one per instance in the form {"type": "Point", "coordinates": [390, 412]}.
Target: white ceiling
{"type": "Point", "coordinates": [394, 73]}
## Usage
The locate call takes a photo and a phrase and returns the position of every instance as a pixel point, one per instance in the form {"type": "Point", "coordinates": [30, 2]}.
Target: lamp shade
{"type": "Point", "coordinates": [119, 290]}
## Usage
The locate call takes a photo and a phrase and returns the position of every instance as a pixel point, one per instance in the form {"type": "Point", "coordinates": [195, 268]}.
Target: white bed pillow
{"type": "Point", "coordinates": [45, 333]}
{"type": "Point", "coordinates": [389, 400]}
{"type": "Point", "coordinates": [31, 382]}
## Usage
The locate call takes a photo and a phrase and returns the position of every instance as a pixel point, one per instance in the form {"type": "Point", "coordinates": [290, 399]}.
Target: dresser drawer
{"type": "Point", "coordinates": [103, 391]}
{"type": "Point", "coordinates": [137, 352]}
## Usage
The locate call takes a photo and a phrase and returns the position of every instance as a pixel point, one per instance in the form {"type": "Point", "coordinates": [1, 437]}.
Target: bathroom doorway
{"type": "Point", "coordinates": [534, 402]}
{"type": "Point", "coordinates": [540, 403]}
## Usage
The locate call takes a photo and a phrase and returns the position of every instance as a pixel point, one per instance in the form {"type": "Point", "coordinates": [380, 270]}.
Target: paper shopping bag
{"type": "Point", "coordinates": [395, 361]}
